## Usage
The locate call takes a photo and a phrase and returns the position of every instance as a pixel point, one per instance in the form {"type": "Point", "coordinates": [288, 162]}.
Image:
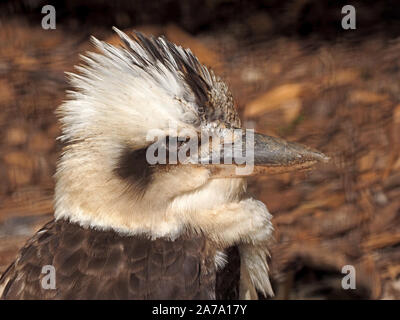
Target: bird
{"type": "Point", "coordinates": [128, 227]}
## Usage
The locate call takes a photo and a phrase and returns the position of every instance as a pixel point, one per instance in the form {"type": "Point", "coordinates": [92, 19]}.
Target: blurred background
{"type": "Point", "coordinates": [294, 72]}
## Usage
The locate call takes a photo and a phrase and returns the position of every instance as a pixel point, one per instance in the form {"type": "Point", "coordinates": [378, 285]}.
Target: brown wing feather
{"type": "Point", "coordinates": [94, 264]}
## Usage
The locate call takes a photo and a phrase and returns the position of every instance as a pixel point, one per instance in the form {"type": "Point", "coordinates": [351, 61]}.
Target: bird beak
{"type": "Point", "coordinates": [255, 153]}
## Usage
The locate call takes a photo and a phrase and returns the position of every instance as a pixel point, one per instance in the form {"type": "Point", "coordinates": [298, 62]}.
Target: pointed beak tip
{"type": "Point", "coordinates": [315, 156]}
{"type": "Point", "coordinates": [320, 157]}
{"type": "Point", "coordinates": [325, 159]}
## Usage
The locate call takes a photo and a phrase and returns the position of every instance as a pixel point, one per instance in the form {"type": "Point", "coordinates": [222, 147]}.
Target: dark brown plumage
{"type": "Point", "coordinates": [92, 264]}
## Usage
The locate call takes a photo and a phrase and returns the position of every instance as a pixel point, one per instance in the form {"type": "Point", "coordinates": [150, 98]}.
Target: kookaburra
{"type": "Point", "coordinates": [126, 227]}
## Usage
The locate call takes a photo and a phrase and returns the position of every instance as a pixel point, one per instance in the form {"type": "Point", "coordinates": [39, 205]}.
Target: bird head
{"type": "Point", "coordinates": [151, 134]}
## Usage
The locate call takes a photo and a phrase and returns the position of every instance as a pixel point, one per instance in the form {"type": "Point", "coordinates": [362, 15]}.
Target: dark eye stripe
{"type": "Point", "coordinates": [134, 168]}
